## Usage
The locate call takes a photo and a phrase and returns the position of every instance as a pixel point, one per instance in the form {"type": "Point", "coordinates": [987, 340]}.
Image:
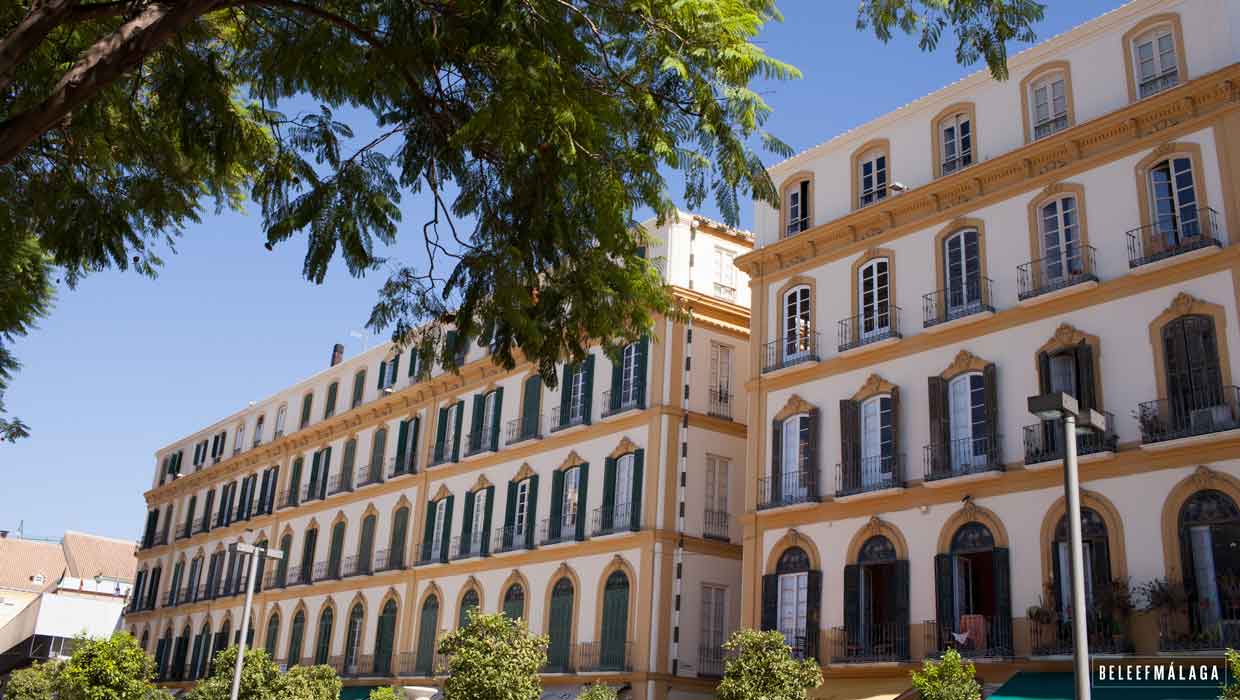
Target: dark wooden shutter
{"type": "Point", "coordinates": [583, 480]}
{"type": "Point", "coordinates": [609, 495]}
{"type": "Point", "coordinates": [440, 436]}
{"type": "Point", "coordinates": [359, 384]}
{"type": "Point", "coordinates": [486, 521]}
{"type": "Point", "coordinates": [531, 405]}
{"type": "Point", "coordinates": [810, 448]}
{"type": "Point", "coordinates": [1044, 373]}
{"type": "Point", "coordinates": [940, 426]}
{"type": "Point", "coordinates": [329, 407]}
{"type": "Point", "coordinates": [447, 530]}
{"type": "Point", "coordinates": [411, 460]}
{"type": "Point", "coordinates": [316, 461]}
{"type": "Point", "coordinates": [900, 590]}
{"type": "Point", "coordinates": [349, 460]}
{"type": "Point", "coordinates": [531, 512]}
{"type": "Point", "coordinates": [990, 389]}
{"type": "Point", "coordinates": [617, 376]}
{"type": "Point", "coordinates": [557, 506]}
{"type": "Point", "coordinates": [327, 468]}
{"type": "Point", "coordinates": [1057, 575]}
{"type": "Point", "coordinates": [777, 468]}
{"type": "Point", "coordinates": [1003, 599]}
{"type": "Point", "coordinates": [395, 366]}
{"type": "Point", "coordinates": [850, 442]}
{"type": "Point", "coordinates": [413, 362]}
{"type": "Point", "coordinates": [497, 417]}
{"type": "Point", "coordinates": [456, 442]}
{"type": "Point", "coordinates": [467, 522]}
{"type": "Point", "coordinates": [805, 210]}
{"type": "Point", "coordinates": [402, 434]}
{"type": "Point", "coordinates": [770, 602]}
{"type": "Point", "coordinates": [813, 613]}
{"type": "Point", "coordinates": [893, 456]}
{"type": "Point", "coordinates": [427, 625]}
{"type": "Point", "coordinates": [428, 535]}
{"type": "Point", "coordinates": [475, 423]}
{"type": "Point", "coordinates": [382, 373]}
{"type": "Point", "coordinates": [852, 603]}
{"type": "Point", "coordinates": [643, 351]}
{"type": "Point", "coordinates": [587, 410]}
{"type": "Point", "coordinates": [294, 481]}
{"type": "Point", "coordinates": [944, 595]}
{"type": "Point", "coordinates": [336, 552]}
{"type": "Point", "coordinates": [1085, 376]}
{"type": "Point", "coordinates": [306, 402]}
{"type": "Point", "coordinates": [510, 514]}
{"type": "Point", "coordinates": [635, 510]}
{"type": "Point", "coordinates": [566, 392]}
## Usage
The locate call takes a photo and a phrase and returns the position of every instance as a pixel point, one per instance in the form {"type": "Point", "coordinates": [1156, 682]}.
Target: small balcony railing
{"type": "Point", "coordinates": [408, 465]}
{"type": "Point", "coordinates": [327, 570]}
{"type": "Point", "coordinates": [481, 443]}
{"type": "Point", "coordinates": [275, 579]}
{"type": "Point", "coordinates": [368, 474]}
{"type": "Point", "coordinates": [613, 518]}
{"type": "Point", "coordinates": [977, 636]}
{"type": "Point", "coordinates": [432, 553]}
{"type": "Point", "coordinates": [874, 473]}
{"type": "Point", "coordinates": [974, 455]}
{"type": "Point", "coordinates": [389, 560]}
{"type": "Point", "coordinates": [724, 291]}
{"type": "Point", "coordinates": [870, 643]}
{"type": "Point", "coordinates": [184, 530]}
{"type": "Point", "coordinates": [298, 576]}
{"type": "Point", "coordinates": [1189, 413]}
{"type": "Point", "coordinates": [1072, 266]}
{"type": "Point", "coordinates": [715, 525]}
{"type": "Point", "coordinates": [576, 416]}
{"type": "Point", "coordinates": [627, 399]}
{"type": "Point", "coordinates": [956, 302]}
{"type": "Point", "coordinates": [1191, 631]}
{"type": "Point", "coordinates": [1157, 83]}
{"type": "Point", "coordinates": [339, 483]}
{"type": "Point", "coordinates": [1106, 636]}
{"type": "Point", "coordinates": [357, 566]}
{"type": "Point", "coordinates": [523, 428]}
{"type": "Point", "coordinates": [202, 592]}
{"type": "Point", "coordinates": [791, 350]}
{"type": "Point", "coordinates": [711, 660]}
{"type": "Point", "coordinates": [864, 329]}
{"type": "Point", "coordinates": [510, 539]}
{"type": "Point", "coordinates": [289, 497]}
{"type": "Point", "coordinates": [951, 165]}
{"type": "Point", "coordinates": [1046, 127]}
{"type": "Point", "coordinates": [160, 538]}
{"type": "Point", "coordinates": [434, 664]}
{"type": "Point", "coordinates": [202, 524]}
{"type": "Point", "coordinates": [788, 489]}
{"type": "Point", "coordinates": [562, 529]}
{"type": "Point", "coordinates": [720, 405]}
{"type": "Point", "coordinates": [603, 657]}
{"type": "Point", "coordinates": [800, 644]}
{"type": "Point", "coordinates": [560, 660]}
{"type": "Point", "coordinates": [1044, 441]}
{"type": "Point", "coordinates": [467, 547]}
{"type": "Point", "coordinates": [1191, 228]}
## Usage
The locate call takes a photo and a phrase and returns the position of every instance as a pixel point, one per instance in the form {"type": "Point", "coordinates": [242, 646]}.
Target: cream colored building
{"type": "Point", "coordinates": [927, 272]}
{"type": "Point", "coordinates": [602, 512]}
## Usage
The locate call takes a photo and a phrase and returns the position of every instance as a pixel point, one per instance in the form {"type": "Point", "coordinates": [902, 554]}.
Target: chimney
{"type": "Point", "coordinates": [337, 354]}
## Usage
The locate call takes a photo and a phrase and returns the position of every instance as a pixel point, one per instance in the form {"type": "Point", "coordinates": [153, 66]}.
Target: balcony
{"type": "Point", "coordinates": [289, 497]}
{"type": "Point", "coordinates": [711, 658]}
{"type": "Point", "coordinates": [563, 529]}
{"type": "Point", "coordinates": [202, 592]}
{"type": "Point", "coordinates": [409, 465]}
{"type": "Point", "coordinates": [275, 579]}
{"type": "Point", "coordinates": [184, 531]}
{"type": "Point", "coordinates": [979, 637]}
{"type": "Point", "coordinates": [611, 519]}
{"type": "Point", "coordinates": [339, 483]}
{"type": "Point", "coordinates": [433, 553]}
{"type": "Point", "coordinates": [357, 566]}
{"type": "Point", "coordinates": [604, 657]}
{"type": "Point", "coordinates": [511, 539]}
{"type": "Point", "coordinates": [788, 489]}
{"type": "Point", "coordinates": [576, 416]}
{"type": "Point", "coordinates": [298, 576]}
{"type": "Point", "coordinates": [387, 560]}
{"type": "Point", "coordinates": [160, 539]}
{"type": "Point", "coordinates": [409, 664]}
{"type": "Point", "coordinates": [791, 350]}
{"type": "Point", "coordinates": [963, 457]}
{"type": "Point", "coordinates": [629, 398]}
{"type": "Point", "coordinates": [368, 474]}
{"type": "Point", "coordinates": [726, 292]}
{"type": "Point", "coordinates": [523, 428]}
{"type": "Point", "coordinates": [715, 525]}
{"type": "Point", "coordinates": [560, 661]}
{"type": "Point", "coordinates": [720, 405]}
{"type": "Point", "coordinates": [870, 475]}
{"type": "Point", "coordinates": [882, 642]}
{"type": "Point", "coordinates": [1106, 636]}
{"type": "Point", "coordinates": [327, 571]}
{"type": "Point", "coordinates": [1189, 414]}
{"type": "Point", "coordinates": [1173, 236]}
{"type": "Point", "coordinates": [467, 547]}
{"type": "Point", "coordinates": [802, 646]}
{"type": "Point", "coordinates": [481, 443]}
{"type": "Point", "coordinates": [1055, 275]}
{"type": "Point", "coordinates": [867, 329]}
{"type": "Point", "coordinates": [1157, 83]}
{"type": "Point", "coordinates": [946, 306]}
{"type": "Point", "coordinates": [202, 524]}
{"type": "Point", "coordinates": [1044, 441]}
{"type": "Point", "coordinates": [1188, 631]}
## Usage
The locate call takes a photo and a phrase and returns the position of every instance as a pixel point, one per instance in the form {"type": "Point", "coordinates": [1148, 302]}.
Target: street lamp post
{"type": "Point", "coordinates": [255, 552]}
{"type": "Point", "coordinates": [1061, 406]}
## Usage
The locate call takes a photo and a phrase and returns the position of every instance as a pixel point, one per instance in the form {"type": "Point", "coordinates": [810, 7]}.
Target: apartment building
{"type": "Point", "coordinates": [603, 511]}
{"type": "Point", "coordinates": [927, 272]}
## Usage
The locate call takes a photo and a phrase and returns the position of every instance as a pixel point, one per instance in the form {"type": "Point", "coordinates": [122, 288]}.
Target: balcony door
{"type": "Point", "coordinates": [615, 622]}
{"type": "Point", "coordinates": [792, 483]}
{"type": "Point", "coordinates": [962, 265]}
{"type": "Point", "coordinates": [1194, 377]}
{"type": "Point", "coordinates": [1061, 244]}
{"type": "Point", "coordinates": [1209, 531]}
{"type": "Point", "coordinates": [877, 441]}
{"type": "Point", "coordinates": [874, 298]}
{"type": "Point", "coordinates": [1173, 201]}
{"type": "Point", "coordinates": [624, 491]}
{"type": "Point", "coordinates": [966, 398]}
{"type": "Point", "coordinates": [796, 341]}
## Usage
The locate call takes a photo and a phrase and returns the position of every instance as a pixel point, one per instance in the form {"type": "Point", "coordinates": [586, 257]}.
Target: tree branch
{"type": "Point", "coordinates": [42, 18]}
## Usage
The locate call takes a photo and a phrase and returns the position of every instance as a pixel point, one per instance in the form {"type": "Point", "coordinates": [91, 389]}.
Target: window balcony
{"type": "Point", "coordinates": [562, 529]}
{"type": "Point", "coordinates": [388, 560]}
{"type": "Point", "coordinates": [524, 428]}
{"type": "Point", "coordinates": [576, 416]}
{"type": "Point", "coordinates": [802, 646]}
{"type": "Point", "coordinates": [159, 539]}
{"type": "Point", "coordinates": [433, 553]}
{"type": "Point", "coordinates": [298, 576]}
{"type": "Point", "coordinates": [203, 592]}
{"type": "Point", "coordinates": [1106, 634]}
{"type": "Point", "coordinates": [1189, 631]}
{"type": "Point", "coordinates": [872, 474]}
{"type": "Point", "coordinates": [357, 566]}
{"type": "Point", "coordinates": [1189, 414]}
{"type": "Point", "coordinates": [339, 483]}
{"type": "Point", "coordinates": [870, 643]}
{"type": "Point", "coordinates": [289, 498]}
{"type": "Point", "coordinates": [368, 474]}
{"type": "Point", "coordinates": [963, 457]}
{"type": "Point", "coordinates": [788, 489]}
{"type": "Point", "coordinates": [274, 580]}
{"type": "Point", "coordinates": [202, 524]}
{"type": "Point", "coordinates": [976, 637]}
{"type": "Point", "coordinates": [185, 530]}
{"type": "Point", "coordinates": [945, 306]}
{"type": "Point", "coordinates": [629, 398]}
{"type": "Point", "coordinates": [711, 660]}
{"type": "Point", "coordinates": [1055, 275]}
{"type": "Point", "coordinates": [467, 547]}
{"type": "Point", "coordinates": [434, 664]}
{"type": "Point", "coordinates": [481, 443]}
{"type": "Point", "coordinates": [327, 571]}
{"type": "Point", "coordinates": [720, 405]}
{"type": "Point", "coordinates": [1174, 235]}
{"type": "Point", "coordinates": [511, 539]}
{"type": "Point", "coordinates": [1044, 441]}
{"type": "Point", "coordinates": [612, 519]}
{"type": "Point", "coordinates": [604, 657]}
{"type": "Point", "coordinates": [715, 525]}
{"type": "Point", "coordinates": [409, 465]}
{"type": "Point", "coordinates": [791, 350]}
{"type": "Point", "coordinates": [867, 329]}
{"type": "Point", "coordinates": [1157, 83]}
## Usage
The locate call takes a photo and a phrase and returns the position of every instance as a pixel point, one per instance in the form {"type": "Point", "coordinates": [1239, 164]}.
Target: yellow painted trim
{"type": "Point", "coordinates": [1172, 19]}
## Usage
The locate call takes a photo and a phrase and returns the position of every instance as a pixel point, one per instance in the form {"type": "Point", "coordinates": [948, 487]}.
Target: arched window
{"type": "Point", "coordinates": [329, 406]}
{"type": "Point", "coordinates": [560, 626]}
{"type": "Point", "coordinates": [796, 207]}
{"type": "Point", "coordinates": [296, 633]}
{"type": "Point", "coordinates": [871, 177]}
{"type": "Point", "coordinates": [201, 657]}
{"type": "Point", "coordinates": [1194, 377]}
{"type": "Point", "coordinates": [1209, 531]}
{"type": "Point", "coordinates": [514, 601]}
{"type": "Point", "coordinates": [272, 638]}
{"type": "Point", "coordinates": [792, 571]}
{"type": "Point", "coordinates": [967, 422]}
{"type": "Point", "coordinates": [962, 269]}
{"type": "Point", "coordinates": [1064, 259]}
{"type": "Point", "coordinates": [180, 651]}
{"type": "Point", "coordinates": [613, 650]}
{"type": "Point", "coordinates": [974, 599]}
{"type": "Point", "coordinates": [286, 548]}
{"type": "Point", "coordinates": [323, 646]}
{"type": "Point", "coordinates": [353, 638]}
{"type": "Point", "coordinates": [874, 299]}
{"type": "Point", "coordinates": [955, 137]}
{"type": "Point", "coordinates": [396, 550]}
{"type": "Point", "coordinates": [385, 636]}
{"type": "Point", "coordinates": [795, 480]}
{"type": "Point", "coordinates": [366, 546]}
{"type": "Point", "coordinates": [1097, 559]}
{"type": "Point", "coordinates": [797, 324]}
{"type": "Point", "coordinates": [359, 388]}
{"type": "Point", "coordinates": [1155, 60]}
{"type": "Point", "coordinates": [878, 438]}
{"type": "Point", "coordinates": [428, 625]}
{"type": "Point", "coordinates": [468, 602]}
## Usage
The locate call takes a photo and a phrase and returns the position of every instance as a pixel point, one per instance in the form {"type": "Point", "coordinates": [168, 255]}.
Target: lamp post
{"type": "Point", "coordinates": [1061, 406]}
{"type": "Point", "coordinates": [244, 547]}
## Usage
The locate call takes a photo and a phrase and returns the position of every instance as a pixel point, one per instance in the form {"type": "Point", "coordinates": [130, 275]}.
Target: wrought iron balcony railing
{"type": "Point", "coordinates": [510, 539]}
{"type": "Point", "coordinates": [603, 657]}
{"type": "Point", "coordinates": [466, 547]}
{"type": "Point", "coordinates": [789, 488]}
{"type": "Point", "coordinates": [874, 473]}
{"type": "Point", "coordinates": [715, 525]}
{"type": "Point", "coordinates": [972, 455]}
{"type": "Point", "coordinates": [864, 329]}
{"type": "Point", "coordinates": [956, 302]}
{"type": "Point", "coordinates": [1044, 441]}
{"type": "Point", "coordinates": [1073, 265]}
{"type": "Point", "coordinates": [576, 416]}
{"type": "Point", "coordinates": [1198, 411]}
{"type": "Point", "coordinates": [720, 405]}
{"type": "Point", "coordinates": [562, 529]}
{"type": "Point", "coordinates": [976, 636]}
{"type": "Point", "coordinates": [870, 643]}
{"type": "Point", "coordinates": [1157, 83]}
{"type": "Point", "coordinates": [627, 399]}
{"type": "Point", "coordinates": [1189, 229]}
{"type": "Point", "coordinates": [791, 350]}
{"type": "Point", "coordinates": [523, 428]}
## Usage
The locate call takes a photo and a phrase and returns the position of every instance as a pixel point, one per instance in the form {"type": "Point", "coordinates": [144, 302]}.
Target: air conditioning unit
{"type": "Point", "coordinates": [1210, 418]}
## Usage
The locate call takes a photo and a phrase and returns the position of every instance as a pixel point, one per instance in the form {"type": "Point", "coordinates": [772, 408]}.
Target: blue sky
{"type": "Point", "coordinates": [125, 364]}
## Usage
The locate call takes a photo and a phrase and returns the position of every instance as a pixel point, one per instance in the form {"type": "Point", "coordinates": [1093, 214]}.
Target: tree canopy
{"type": "Point", "coordinates": [537, 129]}
{"type": "Point", "coordinates": [493, 657]}
{"type": "Point", "coordinates": [261, 679]}
{"type": "Point", "coordinates": [760, 665]}
{"type": "Point", "coordinates": [114, 668]}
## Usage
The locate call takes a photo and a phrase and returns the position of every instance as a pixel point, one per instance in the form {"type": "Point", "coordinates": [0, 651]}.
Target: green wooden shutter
{"type": "Point", "coordinates": [475, 423]}
{"type": "Point", "coordinates": [635, 510]}
{"type": "Point", "coordinates": [850, 442]}
{"type": "Point", "coordinates": [365, 553]}
{"type": "Point", "coordinates": [609, 495]}
{"type": "Point", "coordinates": [617, 376]}
{"type": "Point", "coordinates": [269, 640]}
{"type": "Point", "coordinates": [378, 449]}
{"type": "Point", "coordinates": [428, 535]}
{"type": "Point", "coordinates": [467, 522]}
{"type": "Point", "coordinates": [327, 467]}
{"type": "Point", "coordinates": [510, 514]}
{"type": "Point", "coordinates": [1085, 376]}
{"type": "Point", "coordinates": [588, 403]}
{"type": "Point", "coordinates": [395, 364]}
{"type": "Point", "coordinates": [440, 435]}
{"type": "Point", "coordinates": [940, 427]}
{"type": "Point", "coordinates": [583, 480]}
{"type": "Point", "coordinates": [411, 462]}
{"type": "Point", "coordinates": [323, 648]}
{"type": "Point", "coordinates": [557, 506]}
{"type": "Point", "coordinates": [350, 458]}
{"type": "Point", "coordinates": [813, 613]}
{"type": "Point", "coordinates": [294, 482]}
{"type": "Point", "coordinates": [402, 434]}
{"type": "Point", "coordinates": [315, 461]}
{"type": "Point", "coordinates": [456, 443]}
{"type": "Point", "coordinates": [944, 597]}
{"type": "Point", "coordinates": [990, 384]}
{"type": "Point", "coordinates": [359, 384]}
{"type": "Point", "coordinates": [336, 552]}
{"type": "Point", "coordinates": [329, 408]}
{"type": "Point", "coordinates": [770, 602]}
{"type": "Point", "coordinates": [306, 402]}
{"type": "Point", "coordinates": [382, 373]}
{"type": "Point", "coordinates": [385, 639]}
{"type": "Point", "coordinates": [1003, 601]}
{"type": "Point", "coordinates": [413, 362]}
{"type": "Point", "coordinates": [566, 393]}
{"type": "Point", "coordinates": [900, 591]}
{"type": "Point", "coordinates": [295, 639]}
{"type": "Point", "coordinates": [775, 491]}
{"type": "Point", "coordinates": [813, 472]}
{"type": "Point", "coordinates": [207, 505]}
{"type": "Point", "coordinates": [447, 530]}
{"type": "Point", "coordinates": [486, 521]}
{"type": "Point", "coordinates": [531, 406]}
{"type": "Point", "coordinates": [396, 552]}
{"type": "Point", "coordinates": [496, 417]}
{"type": "Point", "coordinates": [615, 623]}
{"type": "Point", "coordinates": [560, 627]}
{"type": "Point", "coordinates": [643, 351]}
{"type": "Point", "coordinates": [427, 627]}
{"type": "Point", "coordinates": [531, 512]}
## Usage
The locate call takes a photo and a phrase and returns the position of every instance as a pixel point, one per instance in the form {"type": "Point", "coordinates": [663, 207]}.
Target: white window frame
{"type": "Point", "coordinates": [281, 416]}
{"type": "Point", "coordinates": [963, 398]}
{"type": "Point", "coordinates": [793, 606]}
{"type": "Point", "coordinates": [568, 504]}
{"type": "Point", "coordinates": [441, 511]}
{"type": "Point", "coordinates": [449, 432]}
{"type": "Point", "coordinates": [970, 271]}
{"type": "Point", "coordinates": [872, 186]}
{"type": "Point", "coordinates": [490, 404]}
{"type": "Point", "coordinates": [717, 469]}
{"type": "Point", "coordinates": [714, 615]}
{"type": "Point", "coordinates": [872, 448]}
{"type": "Point", "coordinates": [1163, 60]}
{"type": "Point", "coordinates": [794, 486]}
{"type": "Point", "coordinates": [725, 273]}
{"type": "Point", "coordinates": [1059, 218]}
{"type": "Point", "coordinates": [628, 375]}
{"type": "Point", "coordinates": [480, 508]}
{"type": "Point", "coordinates": [797, 318]}
{"type": "Point", "coordinates": [959, 143]}
{"type": "Point", "coordinates": [721, 369]}
{"type": "Point", "coordinates": [1179, 224]}
{"type": "Point", "coordinates": [577, 397]}
{"type": "Point", "coordinates": [520, 516]}
{"type": "Point", "coordinates": [1056, 116]}
{"type": "Point", "coordinates": [239, 438]}
{"type": "Point", "coordinates": [875, 305]}
{"type": "Point", "coordinates": [258, 429]}
{"type": "Point", "coordinates": [623, 497]}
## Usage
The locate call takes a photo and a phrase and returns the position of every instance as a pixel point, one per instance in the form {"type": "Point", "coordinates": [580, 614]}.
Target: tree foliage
{"type": "Point", "coordinates": [36, 682]}
{"type": "Point", "coordinates": [386, 692]}
{"type": "Point", "coordinates": [949, 679]}
{"type": "Point", "coordinates": [598, 691]}
{"type": "Point", "coordinates": [261, 679]}
{"type": "Point", "coordinates": [114, 668]}
{"type": "Point", "coordinates": [1231, 691]}
{"type": "Point", "coordinates": [493, 657]}
{"type": "Point", "coordinates": [760, 665]}
{"type": "Point", "coordinates": [537, 129]}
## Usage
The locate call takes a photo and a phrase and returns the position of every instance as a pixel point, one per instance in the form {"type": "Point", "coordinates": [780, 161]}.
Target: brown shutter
{"type": "Point", "coordinates": [812, 476]}
{"type": "Point", "coordinates": [850, 442]}
{"type": "Point", "coordinates": [775, 491]}
{"type": "Point", "coordinates": [990, 387]}
{"type": "Point", "coordinates": [895, 434]}
{"type": "Point", "coordinates": [1044, 373]}
{"type": "Point", "coordinates": [1085, 376]}
{"type": "Point", "coordinates": [940, 427]}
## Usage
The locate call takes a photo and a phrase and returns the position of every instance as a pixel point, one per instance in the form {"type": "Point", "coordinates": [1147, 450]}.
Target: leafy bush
{"type": "Point", "coordinates": [493, 657]}
{"type": "Point", "coordinates": [762, 666]}
{"type": "Point", "coordinates": [949, 679]}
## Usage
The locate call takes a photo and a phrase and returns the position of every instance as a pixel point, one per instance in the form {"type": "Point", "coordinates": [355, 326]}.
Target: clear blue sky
{"type": "Point", "coordinates": [125, 364]}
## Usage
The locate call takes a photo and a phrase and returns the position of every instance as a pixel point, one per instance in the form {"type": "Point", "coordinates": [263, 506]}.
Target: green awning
{"type": "Point", "coordinates": [1032, 685]}
{"type": "Point", "coordinates": [356, 692]}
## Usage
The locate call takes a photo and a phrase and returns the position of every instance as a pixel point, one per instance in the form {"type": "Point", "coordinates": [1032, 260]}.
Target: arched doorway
{"type": "Point", "coordinates": [353, 638]}
{"type": "Point", "coordinates": [560, 627]}
{"type": "Point", "coordinates": [428, 623]}
{"type": "Point", "coordinates": [514, 601]}
{"type": "Point", "coordinates": [385, 634]}
{"type": "Point", "coordinates": [973, 594]}
{"type": "Point", "coordinates": [468, 602]}
{"type": "Point", "coordinates": [1209, 532]}
{"type": "Point", "coordinates": [876, 608]}
{"type": "Point", "coordinates": [791, 600]}
{"type": "Point", "coordinates": [614, 637]}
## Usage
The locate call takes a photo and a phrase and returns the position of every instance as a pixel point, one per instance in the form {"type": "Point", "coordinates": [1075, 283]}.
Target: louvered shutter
{"type": "Point", "coordinates": [990, 389]}
{"type": "Point", "coordinates": [1003, 600]}
{"type": "Point", "coordinates": [557, 506]}
{"type": "Point", "coordinates": [394, 367]}
{"type": "Point", "coordinates": [329, 407]}
{"type": "Point", "coordinates": [402, 434]}
{"type": "Point", "coordinates": [440, 435]}
{"type": "Point", "coordinates": [583, 480]}
{"type": "Point", "coordinates": [467, 522]}
{"type": "Point", "coordinates": [1044, 373]}
{"type": "Point", "coordinates": [893, 457]}
{"type": "Point", "coordinates": [485, 540]}
{"type": "Point", "coordinates": [643, 351]}
{"type": "Point", "coordinates": [382, 374]}
{"type": "Point", "coordinates": [411, 461]}
{"type": "Point", "coordinates": [770, 602]}
{"type": "Point", "coordinates": [456, 442]}
{"type": "Point", "coordinates": [940, 426]}
{"type": "Point", "coordinates": [327, 468]}
{"type": "Point", "coordinates": [813, 613]}
{"type": "Point", "coordinates": [510, 515]}
{"type": "Point", "coordinates": [447, 530]}
{"type": "Point", "coordinates": [639, 458]}
{"type": "Point", "coordinates": [497, 417]}
{"type": "Point", "coordinates": [587, 410]}
{"type": "Point", "coordinates": [531, 405]}
{"type": "Point", "coordinates": [850, 443]}
{"type": "Point", "coordinates": [609, 494]}
{"type": "Point", "coordinates": [777, 458]}
{"type": "Point", "coordinates": [810, 448]}
{"type": "Point", "coordinates": [566, 392]}
{"type": "Point", "coordinates": [617, 376]}
{"type": "Point", "coordinates": [475, 423]}
{"type": "Point", "coordinates": [428, 535]}
{"type": "Point", "coordinates": [531, 512]}
{"type": "Point", "coordinates": [1085, 376]}
{"type": "Point", "coordinates": [900, 591]}
{"type": "Point", "coordinates": [852, 604]}
{"type": "Point", "coordinates": [945, 596]}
